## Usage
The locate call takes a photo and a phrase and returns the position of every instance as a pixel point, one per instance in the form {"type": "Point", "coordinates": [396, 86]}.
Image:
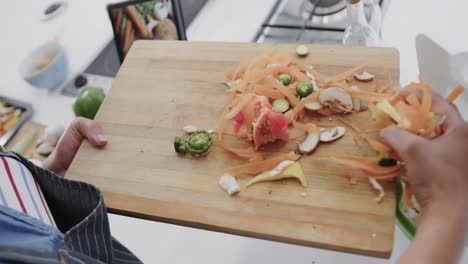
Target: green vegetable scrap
{"type": "Point", "coordinates": [280, 105]}
{"type": "Point", "coordinates": [199, 142]}
{"type": "Point", "coordinates": [387, 162]}
{"type": "Point", "coordinates": [304, 88]}
{"type": "Point", "coordinates": [285, 79]}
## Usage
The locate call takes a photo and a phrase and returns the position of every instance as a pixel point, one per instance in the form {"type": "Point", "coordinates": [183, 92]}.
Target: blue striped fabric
{"type": "Point", "coordinates": [34, 202]}
{"type": "Point", "coordinates": [80, 215]}
{"type": "Point", "coordinates": [2, 197]}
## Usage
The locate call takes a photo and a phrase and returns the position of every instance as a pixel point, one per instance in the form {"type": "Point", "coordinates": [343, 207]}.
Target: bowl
{"type": "Point", "coordinates": [45, 67]}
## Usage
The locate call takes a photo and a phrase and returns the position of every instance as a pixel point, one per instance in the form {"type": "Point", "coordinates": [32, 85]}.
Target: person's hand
{"type": "Point", "coordinates": [436, 169]}
{"type": "Point", "coordinates": [60, 159]}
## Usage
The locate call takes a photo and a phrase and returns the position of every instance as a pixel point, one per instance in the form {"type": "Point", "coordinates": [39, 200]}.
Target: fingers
{"type": "Point", "coordinates": [452, 115]}
{"type": "Point", "coordinates": [90, 130]}
{"type": "Point", "coordinates": [401, 141]}
{"type": "Point", "coordinates": [440, 106]}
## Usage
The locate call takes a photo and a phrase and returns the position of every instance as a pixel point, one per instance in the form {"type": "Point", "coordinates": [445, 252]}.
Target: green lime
{"type": "Point", "coordinates": [89, 100]}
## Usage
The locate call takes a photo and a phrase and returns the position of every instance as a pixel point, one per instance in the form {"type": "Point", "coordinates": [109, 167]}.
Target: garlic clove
{"type": "Point", "coordinates": [229, 184]}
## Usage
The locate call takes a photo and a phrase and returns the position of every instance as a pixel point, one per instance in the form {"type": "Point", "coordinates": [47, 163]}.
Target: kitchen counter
{"type": "Point", "coordinates": [219, 20]}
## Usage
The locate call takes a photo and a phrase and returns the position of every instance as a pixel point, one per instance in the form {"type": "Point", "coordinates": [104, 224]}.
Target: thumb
{"type": "Point", "coordinates": [400, 140]}
{"type": "Point", "coordinates": [89, 129]}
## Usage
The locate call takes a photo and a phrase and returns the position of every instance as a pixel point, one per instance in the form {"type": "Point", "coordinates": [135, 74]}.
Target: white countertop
{"type": "Point", "coordinates": [84, 29]}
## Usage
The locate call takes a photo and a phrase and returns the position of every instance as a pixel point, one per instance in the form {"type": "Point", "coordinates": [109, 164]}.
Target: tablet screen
{"type": "Point", "coordinates": [150, 19]}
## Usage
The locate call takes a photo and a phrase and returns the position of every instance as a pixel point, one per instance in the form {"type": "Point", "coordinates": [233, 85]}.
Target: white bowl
{"type": "Point", "coordinates": [45, 67]}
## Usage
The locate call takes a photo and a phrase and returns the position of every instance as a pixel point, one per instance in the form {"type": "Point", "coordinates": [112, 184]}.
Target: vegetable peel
{"type": "Point", "coordinates": [293, 170]}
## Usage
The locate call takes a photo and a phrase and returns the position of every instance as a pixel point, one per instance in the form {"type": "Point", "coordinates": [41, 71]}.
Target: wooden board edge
{"type": "Point", "coordinates": [113, 207]}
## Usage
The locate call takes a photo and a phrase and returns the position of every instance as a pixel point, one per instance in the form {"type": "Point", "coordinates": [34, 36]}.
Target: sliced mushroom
{"type": "Point", "coordinates": [364, 76]}
{"type": "Point", "coordinates": [232, 84]}
{"type": "Point", "coordinates": [332, 134]}
{"type": "Point", "coordinates": [312, 79]}
{"type": "Point", "coordinates": [313, 106]}
{"type": "Point", "coordinates": [190, 129]}
{"type": "Point", "coordinates": [337, 99]}
{"type": "Point", "coordinates": [229, 184]}
{"type": "Point", "coordinates": [309, 144]}
{"type": "Point", "coordinates": [358, 104]}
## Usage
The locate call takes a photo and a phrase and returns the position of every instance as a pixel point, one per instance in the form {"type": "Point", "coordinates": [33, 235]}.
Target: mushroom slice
{"type": "Point", "coordinates": [358, 104]}
{"type": "Point", "coordinates": [332, 134]}
{"type": "Point", "coordinates": [313, 106]}
{"type": "Point", "coordinates": [229, 184]}
{"type": "Point", "coordinates": [333, 96]}
{"type": "Point", "coordinates": [309, 144]}
{"type": "Point", "coordinates": [364, 76]}
{"type": "Point", "coordinates": [232, 84]}
{"type": "Point", "coordinates": [189, 129]}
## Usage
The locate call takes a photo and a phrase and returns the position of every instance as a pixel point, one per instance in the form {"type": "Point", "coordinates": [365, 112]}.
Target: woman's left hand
{"type": "Point", "coordinates": [60, 159]}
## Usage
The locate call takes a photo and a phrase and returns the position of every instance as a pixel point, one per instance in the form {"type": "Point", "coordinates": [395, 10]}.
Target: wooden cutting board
{"type": "Point", "coordinates": [165, 85]}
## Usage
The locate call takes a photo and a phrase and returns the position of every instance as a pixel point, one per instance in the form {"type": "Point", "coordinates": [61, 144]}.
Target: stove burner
{"type": "Point", "coordinates": [323, 7]}
{"type": "Point", "coordinates": [325, 3]}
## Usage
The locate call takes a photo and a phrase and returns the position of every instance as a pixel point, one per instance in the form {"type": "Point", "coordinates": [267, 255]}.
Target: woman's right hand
{"type": "Point", "coordinates": [438, 173]}
{"type": "Point", "coordinates": [436, 169]}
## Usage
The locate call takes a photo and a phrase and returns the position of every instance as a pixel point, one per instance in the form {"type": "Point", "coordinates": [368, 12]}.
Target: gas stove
{"type": "Point", "coordinates": [307, 21]}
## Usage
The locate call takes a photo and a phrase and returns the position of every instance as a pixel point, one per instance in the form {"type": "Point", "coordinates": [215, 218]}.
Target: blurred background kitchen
{"type": "Point", "coordinates": [50, 50]}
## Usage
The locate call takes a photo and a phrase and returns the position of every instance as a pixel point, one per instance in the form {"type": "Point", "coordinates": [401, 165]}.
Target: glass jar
{"type": "Point", "coordinates": [359, 32]}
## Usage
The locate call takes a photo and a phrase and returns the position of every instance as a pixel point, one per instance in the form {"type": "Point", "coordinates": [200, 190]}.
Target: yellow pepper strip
{"type": "Point", "coordinates": [291, 171]}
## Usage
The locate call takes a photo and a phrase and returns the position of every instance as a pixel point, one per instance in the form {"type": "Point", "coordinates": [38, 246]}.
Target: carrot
{"type": "Point", "coordinates": [320, 78]}
{"type": "Point", "coordinates": [341, 84]}
{"type": "Point", "coordinates": [374, 144]}
{"type": "Point", "coordinates": [407, 194]}
{"type": "Point", "coordinates": [388, 176]}
{"type": "Point", "coordinates": [377, 145]}
{"type": "Point", "coordinates": [349, 73]}
{"type": "Point", "coordinates": [395, 96]}
{"type": "Point", "coordinates": [241, 153]}
{"type": "Point", "coordinates": [314, 97]}
{"type": "Point", "coordinates": [284, 90]}
{"type": "Point", "coordinates": [298, 75]}
{"type": "Point", "coordinates": [455, 93]}
{"type": "Point", "coordinates": [268, 92]}
{"type": "Point", "coordinates": [366, 96]}
{"type": "Point", "coordinates": [308, 127]}
{"type": "Point", "coordinates": [389, 78]}
{"type": "Point", "coordinates": [368, 165]}
{"type": "Point", "coordinates": [413, 100]}
{"type": "Point", "coordinates": [239, 71]}
{"type": "Point", "coordinates": [258, 167]}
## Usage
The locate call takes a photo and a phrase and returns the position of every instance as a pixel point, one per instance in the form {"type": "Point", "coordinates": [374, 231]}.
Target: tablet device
{"type": "Point", "coordinates": [145, 19]}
